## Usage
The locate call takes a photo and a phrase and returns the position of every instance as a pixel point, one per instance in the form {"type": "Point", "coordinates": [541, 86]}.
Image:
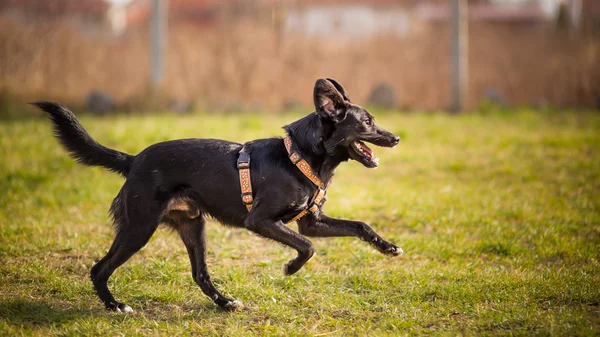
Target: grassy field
{"type": "Point", "coordinates": [499, 217]}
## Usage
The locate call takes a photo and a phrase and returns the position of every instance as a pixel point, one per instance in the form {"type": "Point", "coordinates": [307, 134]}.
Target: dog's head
{"type": "Point", "coordinates": [352, 125]}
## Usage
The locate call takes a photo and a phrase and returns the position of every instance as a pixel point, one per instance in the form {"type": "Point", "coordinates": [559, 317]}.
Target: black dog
{"type": "Point", "coordinates": [180, 182]}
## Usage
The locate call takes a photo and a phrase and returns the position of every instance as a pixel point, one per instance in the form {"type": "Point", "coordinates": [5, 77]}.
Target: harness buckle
{"type": "Point", "coordinates": [317, 201]}
{"type": "Point", "coordinates": [243, 161]}
{"type": "Point", "coordinates": [247, 198]}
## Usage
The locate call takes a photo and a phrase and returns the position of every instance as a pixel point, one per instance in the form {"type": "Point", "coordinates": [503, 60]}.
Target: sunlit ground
{"type": "Point", "coordinates": [499, 216]}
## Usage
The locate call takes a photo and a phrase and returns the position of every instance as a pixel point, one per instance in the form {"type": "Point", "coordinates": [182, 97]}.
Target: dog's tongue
{"type": "Point", "coordinates": [366, 149]}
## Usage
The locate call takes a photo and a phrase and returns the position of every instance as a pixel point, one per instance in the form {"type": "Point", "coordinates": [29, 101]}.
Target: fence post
{"type": "Point", "coordinates": [575, 11]}
{"type": "Point", "coordinates": [459, 54]}
{"type": "Point", "coordinates": [158, 41]}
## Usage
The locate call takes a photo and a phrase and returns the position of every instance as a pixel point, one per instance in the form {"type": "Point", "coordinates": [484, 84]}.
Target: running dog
{"type": "Point", "coordinates": [181, 182]}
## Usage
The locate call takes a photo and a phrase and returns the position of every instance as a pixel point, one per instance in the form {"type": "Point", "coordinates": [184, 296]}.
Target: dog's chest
{"type": "Point", "coordinates": [307, 201]}
{"type": "Point", "coordinates": [300, 202]}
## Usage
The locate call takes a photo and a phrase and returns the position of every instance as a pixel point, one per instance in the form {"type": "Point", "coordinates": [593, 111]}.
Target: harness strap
{"type": "Point", "coordinates": [301, 163]}
{"type": "Point", "coordinates": [243, 165]}
{"type": "Point", "coordinates": [299, 215]}
{"type": "Point", "coordinates": [318, 199]}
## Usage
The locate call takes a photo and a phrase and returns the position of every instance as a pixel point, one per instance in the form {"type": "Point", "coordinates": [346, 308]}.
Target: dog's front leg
{"type": "Point", "coordinates": [276, 230]}
{"type": "Point", "coordinates": [325, 226]}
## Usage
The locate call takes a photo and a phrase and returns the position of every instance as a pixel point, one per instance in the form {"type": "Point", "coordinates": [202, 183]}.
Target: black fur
{"type": "Point", "coordinates": [180, 182]}
{"type": "Point", "coordinates": [80, 144]}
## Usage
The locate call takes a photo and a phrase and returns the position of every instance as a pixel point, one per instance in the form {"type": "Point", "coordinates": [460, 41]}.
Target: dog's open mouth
{"type": "Point", "coordinates": [365, 153]}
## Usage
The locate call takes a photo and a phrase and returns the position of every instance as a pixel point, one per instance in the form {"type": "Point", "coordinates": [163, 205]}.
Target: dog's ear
{"type": "Point", "coordinates": [329, 102]}
{"type": "Point", "coordinates": [339, 88]}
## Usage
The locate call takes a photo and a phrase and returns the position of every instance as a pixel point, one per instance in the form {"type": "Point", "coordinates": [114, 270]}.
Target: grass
{"type": "Point", "coordinates": [499, 216]}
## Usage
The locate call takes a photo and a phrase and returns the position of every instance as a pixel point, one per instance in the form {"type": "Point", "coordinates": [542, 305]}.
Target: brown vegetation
{"type": "Point", "coordinates": [249, 64]}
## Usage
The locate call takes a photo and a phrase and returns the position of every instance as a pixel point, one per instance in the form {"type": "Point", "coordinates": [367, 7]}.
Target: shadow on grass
{"type": "Point", "coordinates": [30, 313]}
{"type": "Point", "coordinates": [22, 312]}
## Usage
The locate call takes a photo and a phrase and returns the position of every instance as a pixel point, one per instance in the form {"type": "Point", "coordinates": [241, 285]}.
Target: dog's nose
{"type": "Point", "coordinates": [396, 139]}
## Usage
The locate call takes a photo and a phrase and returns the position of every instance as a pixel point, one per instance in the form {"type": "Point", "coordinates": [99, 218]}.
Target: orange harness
{"type": "Point", "coordinates": [318, 199]}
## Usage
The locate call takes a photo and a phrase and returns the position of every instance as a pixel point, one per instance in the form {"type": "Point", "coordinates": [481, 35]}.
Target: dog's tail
{"type": "Point", "coordinates": [81, 146]}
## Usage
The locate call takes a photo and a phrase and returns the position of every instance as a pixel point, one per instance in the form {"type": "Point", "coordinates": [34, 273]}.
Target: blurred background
{"type": "Point", "coordinates": [264, 55]}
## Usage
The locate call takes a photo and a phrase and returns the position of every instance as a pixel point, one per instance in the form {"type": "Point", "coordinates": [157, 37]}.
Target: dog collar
{"type": "Point", "coordinates": [318, 199]}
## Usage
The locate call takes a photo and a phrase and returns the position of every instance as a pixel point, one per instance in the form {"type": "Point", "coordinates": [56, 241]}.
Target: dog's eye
{"type": "Point", "coordinates": [368, 121]}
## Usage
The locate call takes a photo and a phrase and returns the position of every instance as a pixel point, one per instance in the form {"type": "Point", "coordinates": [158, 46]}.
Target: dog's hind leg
{"type": "Point", "coordinates": [329, 227]}
{"type": "Point", "coordinates": [192, 232]}
{"type": "Point", "coordinates": [135, 227]}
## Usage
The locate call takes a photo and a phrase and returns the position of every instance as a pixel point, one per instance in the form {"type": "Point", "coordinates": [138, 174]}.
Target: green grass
{"type": "Point", "coordinates": [499, 216]}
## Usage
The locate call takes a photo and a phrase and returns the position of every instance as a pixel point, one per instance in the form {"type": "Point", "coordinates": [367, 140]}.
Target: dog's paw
{"type": "Point", "coordinates": [124, 308]}
{"type": "Point", "coordinates": [233, 305]}
{"type": "Point", "coordinates": [394, 251]}
{"type": "Point", "coordinates": [120, 307]}
{"type": "Point", "coordinates": [289, 269]}
{"type": "Point", "coordinates": [388, 248]}
{"type": "Point", "coordinates": [294, 265]}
